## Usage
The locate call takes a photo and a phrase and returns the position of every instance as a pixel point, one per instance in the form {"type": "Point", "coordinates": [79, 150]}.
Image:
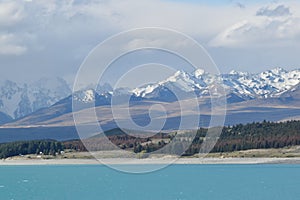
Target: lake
{"type": "Point", "coordinates": [209, 182]}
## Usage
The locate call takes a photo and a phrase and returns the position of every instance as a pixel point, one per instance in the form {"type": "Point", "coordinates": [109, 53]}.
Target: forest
{"type": "Point", "coordinates": [263, 135]}
{"type": "Point", "coordinates": [256, 135]}
{"type": "Point", "coordinates": [45, 147]}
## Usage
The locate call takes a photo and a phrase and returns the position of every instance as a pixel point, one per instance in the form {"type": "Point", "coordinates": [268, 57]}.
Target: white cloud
{"type": "Point", "coordinates": [83, 23]}
{"type": "Point", "coordinates": [195, 19]}
{"type": "Point", "coordinates": [191, 18]}
{"type": "Point", "coordinates": [275, 26]}
{"type": "Point", "coordinates": [62, 32]}
{"type": "Point", "coordinates": [9, 46]}
{"type": "Point", "coordinates": [10, 13]}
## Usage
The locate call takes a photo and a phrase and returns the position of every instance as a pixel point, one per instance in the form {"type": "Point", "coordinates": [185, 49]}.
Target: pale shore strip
{"type": "Point", "coordinates": [125, 161]}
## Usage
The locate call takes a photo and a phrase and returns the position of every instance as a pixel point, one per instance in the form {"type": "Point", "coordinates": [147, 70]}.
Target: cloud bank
{"type": "Point", "coordinates": [270, 26]}
{"type": "Point", "coordinates": [54, 36]}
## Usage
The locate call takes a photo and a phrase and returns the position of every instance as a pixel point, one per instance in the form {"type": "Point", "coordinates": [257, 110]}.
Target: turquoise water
{"type": "Point", "coordinates": [209, 182]}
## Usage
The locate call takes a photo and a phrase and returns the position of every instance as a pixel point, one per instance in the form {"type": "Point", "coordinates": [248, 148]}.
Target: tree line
{"type": "Point", "coordinates": [256, 135]}
{"type": "Point", "coordinates": [263, 135]}
{"type": "Point", "coordinates": [46, 147]}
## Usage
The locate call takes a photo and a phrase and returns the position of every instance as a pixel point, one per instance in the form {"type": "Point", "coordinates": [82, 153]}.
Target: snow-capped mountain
{"type": "Point", "coordinates": [239, 86]}
{"type": "Point", "coordinates": [85, 96]}
{"type": "Point", "coordinates": [91, 96]}
{"type": "Point", "coordinates": [180, 83]}
{"type": "Point", "coordinates": [18, 100]}
{"type": "Point", "coordinates": [248, 95]}
{"type": "Point", "coordinates": [271, 83]}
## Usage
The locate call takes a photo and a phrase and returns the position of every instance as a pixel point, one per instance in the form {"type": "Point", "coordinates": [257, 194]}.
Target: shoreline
{"type": "Point", "coordinates": [149, 161]}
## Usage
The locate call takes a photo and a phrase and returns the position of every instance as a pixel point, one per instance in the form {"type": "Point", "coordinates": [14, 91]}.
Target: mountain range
{"type": "Point", "coordinates": [268, 84]}
{"type": "Point", "coordinates": [49, 101]}
{"type": "Point", "coordinates": [43, 109]}
{"type": "Point", "coordinates": [18, 100]}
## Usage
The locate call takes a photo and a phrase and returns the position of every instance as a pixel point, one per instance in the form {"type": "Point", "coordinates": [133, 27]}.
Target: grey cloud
{"type": "Point", "coordinates": [9, 45]}
{"type": "Point", "coordinates": [260, 32]}
{"type": "Point", "coordinates": [240, 5]}
{"type": "Point", "coordinates": [53, 37]}
{"type": "Point", "coordinates": [279, 27]}
{"type": "Point", "coordinates": [280, 10]}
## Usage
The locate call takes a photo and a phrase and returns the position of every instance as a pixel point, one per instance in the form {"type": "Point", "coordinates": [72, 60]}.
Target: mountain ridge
{"type": "Point", "coordinates": [18, 100]}
{"type": "Point", "coordinates": [240, 87]}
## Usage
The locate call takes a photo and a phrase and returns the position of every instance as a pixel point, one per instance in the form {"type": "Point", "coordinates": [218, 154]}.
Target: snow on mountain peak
{"type": "Point", "coordinates": [180, 80]}
{"type": "Point", "coordinates": [178, 75]}
{"type": "Point", "coordinates": [198, 73]}
{"type": "Point", "coordinates": [18, 100]}
{"type": "Point", "coordinates": [270, 83]}
{"type": "Point", "coordinates": [278, 71]}
{"type": "Point", "coordinates": [239, 73]}
{"type": "Point", "coordinates": [85, 96]}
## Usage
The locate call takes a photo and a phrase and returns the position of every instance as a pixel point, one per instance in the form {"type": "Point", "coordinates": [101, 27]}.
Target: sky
{"type": "Point", "coordinates": [40, 38]}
